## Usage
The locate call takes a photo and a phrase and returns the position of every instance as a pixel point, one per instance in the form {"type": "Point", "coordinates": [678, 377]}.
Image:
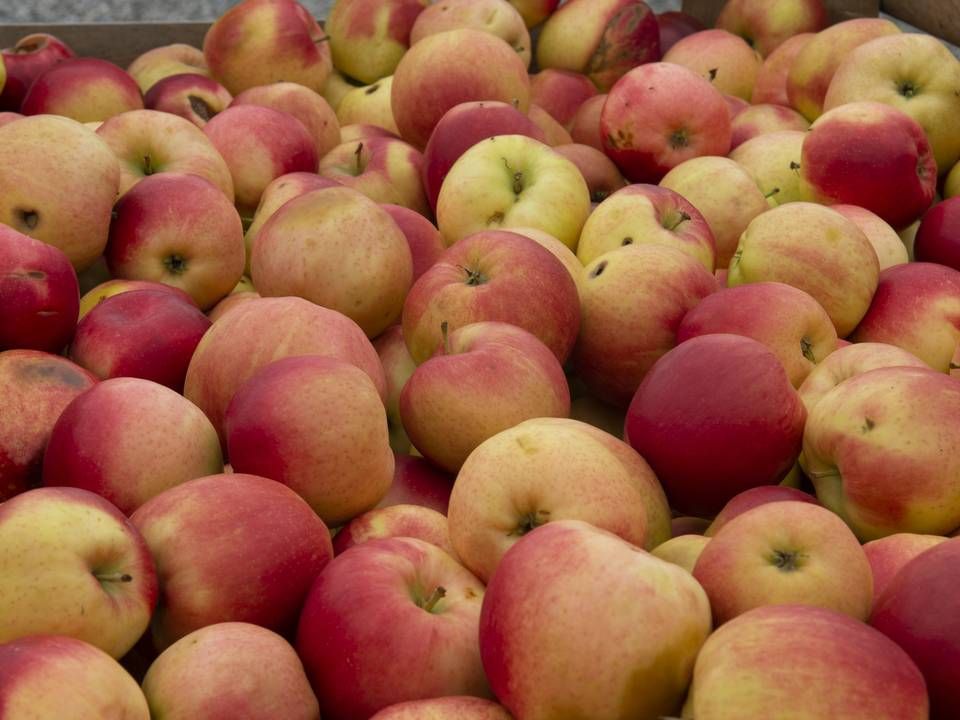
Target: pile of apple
{"type": "Point", "coordinates": [359, 373]}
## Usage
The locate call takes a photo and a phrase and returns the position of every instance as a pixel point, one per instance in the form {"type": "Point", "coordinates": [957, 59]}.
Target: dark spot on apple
{"type": "Point", "coordinates": [795, 166]}
{"type": "Point", "coordinates": [868, 425]}
{"type": "Point", "coordinates": [495, 219]}
{"type": "Point", "coordinates": [806, 348]}
{"type": "Point", "coordinates": [201, 107]}
{"type": "Point", "coordinates": [52, 372]}
{"type": "Point", "coordinates": [598, 196]}
{"type": "Point", "coordinates": [28, 219]}
{"type": "Point", "coordinates": [372, 89]}
{"type": "Point", "coordinates": [712, 72]}
{"type": "Point", "coordinates": [626, 241]}
{"type": "Point", "coordinates": [598, 270]}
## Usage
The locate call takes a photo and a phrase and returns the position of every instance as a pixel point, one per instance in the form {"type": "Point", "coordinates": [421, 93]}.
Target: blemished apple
{"type": "Point", "coordinates": [444, 70]}
{"type": "Point", "coordinates": [369, 105]}
{"type": "Point", "coordinates": [58, 183]}
{"type": "Point", "coordinates": [553, 132]}
{"type": "Point", "coordinates": [885, 240]}
{"type": "Point", "coordinates": [96, 583]}
{"type": "Point", "coordinates": [749, 499]}
{"type": "Point", "coordinates": [602, 39]}
{"type": "Point", "coordinates": [889, 555]}
{"type": "Point", "coordinates": [83, 89]}
{"type": "Point", "coordinates": [493, 275]}
{"type": "Point", "coordinates": [417, 482]}
{"type": "Point", "coordinates": [180, 230]}
{"type": "Point", "coordinates": [535, 12]}
{"type": "Point", "coordinates": [648, 619]}
{"type": "Point", "coordinates": [414, 521]}
{"type": "Point", "coordinates": [585, 126]}
{"type": "Point", "coordinates": [526, 184]}
{"type": "Point", "coordinates": [198, 676]}
{"type": "Point", "coordinates": [128, 440]}
{"type": "Point", "coordinates": [647, 133]}
{"type": "Point", "coordinates": [674, 26]}
{"type": "Point", "coordinates": [681, 550]}
{"type": "Point", "coordinates": [278, 425]}
{"type": "Point", "coordinates": [264, 330]}
{"type": "Point", "coordinates": [258, 42]}
{"type": "Point", "coordinates": [918, 611]}
{"type": "Point", "coordinates": [380, 610]}
{"type": "Point", "coordinates": [601, 175]}
{"type": "Point", "coordinates": [193, 97]}
{"type": "Point", "coordinates": [881, 450]}
{"type": "Point", "coordinates": [42, 675]}
{"type": "Point", "coordinates": [771, 83]}
{"type": "Point", "coordinates": [398, 366]}
{"type": "Point", "coordinates": [632, 301]}
{"type": "Point", "coordinates": [761, 119]}
{"type": "Point", "coordinates": [36, 388]}
{"type": "Point", "coordinates": [369, 37]}
{"type": "Point", "coordinates": [561, 93]}
{"type": "Point", "coordinates": [773, 161]}
{"type": "Point", "coordinates": [30, 57]}
{"type": "Point", "coordinates": [730, 397]}
{"type": "Point", "coordinates": [349, 253]}
{"type": "Point", "coordinates": [785, 319]}
{"type": "Point", "coordinates": [938, 237]}
{"type": "Point", "coordinates": [104, 290]}
{"type": "Point", "coordinates": [812, 661]}
{"type": "Point", "coordinates": [423, 237]}
{"type": "Point", "coordinates": [722, 58]}
{"type": "Point", "coordinates": [497, 17]}
{"type": "Point", "coordinates": [39, 294]}
{"type": "Point", "coordinates": [781, 553]}
{"type": "Point", "coordinates": [484, 378]}
{"type": "Point", "coordinates": [767, 25]}
{"type": "Point", "coordinates": [461, 707]}
{"type": "Point", "coordinates": [165, 61]}
{"type": "Point", "coordinates": [546, 470]}
{"type": "Point", "coordinates": [209, 574]}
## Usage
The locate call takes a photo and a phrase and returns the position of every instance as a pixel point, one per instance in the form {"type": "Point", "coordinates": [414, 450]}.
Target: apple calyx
{"type": "Point", "coordinates": [175, 264]}
{"type": "Point", "coordinates": [529, 522]}
{"type": "Point", "coordinates": [672, 221]}
{"type": "Point", "coordinates": [28, 218]}
{"type": "Point", "coordinates": [806, 347]}
{"type": "Point", "coordinates": [908, 89]}
{"type": "Point", "coordinates": [201, 107]}
{"type": "Point", "coordinates": [431, 601]}
{"type": "Point", "coordinates": [679, 139]}
{"type": "Point", "coordinates": [787, 560]}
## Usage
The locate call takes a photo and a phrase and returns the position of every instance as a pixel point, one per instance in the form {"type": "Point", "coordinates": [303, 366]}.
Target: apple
{"type": "Point", "coordinates": [84, 89]}
{"type": "Point", "coordinates": [414, 521]}
{"type": "Point", "coordinates": [785, 319]}
{"type": "Point", "coordinates": [149, 334]}
{"type": "Point", "coordinates": [261, 331]}
{"type": "Point", "coordinates": [423, 238]}
{"type": "Point", "coordinates": [165, 61]}
{"type": "Point", "coordinates": [36, 388]}
{"type": "Point", "coordinates": [96, 583]}
{"type": "Point", "coordinates": [525, 183]}
{"type": "Point", "coordinates": [547, 470]}
{"type": "Point", "coordinates": [951, 186]}
{"type": "Point", "coordinates": [773, 161]}
{"type": "Point", "coordinates": [258, 42]}
{"type": "Point", "coordinates": [553, 132]}
{"type": "Point", "coordinates": [767, 25]}
{"type": "Point", "coordinates": [884, 239]}
{"type": "Point", "coordinates": [729, 397]}
{"type": "Point", "coordinates": [398, 366]}
{"type": "Point", "coordinates": [889, 555]}
{"type": "Point", "coordinates": [601, 175]}
{"type": "Point", "coordinates": [461, 707]}
{"type": "Point", "coordinates": [43, 674]}
{"type": "Point", "coordinates": [880, 450]}
{"type": "Point", "coordinates": [104, 290]}
{"type": "Point", "coordinates": [462, 127]}
{"type": "Point", "coordinates": [805, 660]}
{"type": "Point", "coordinates": [278, 425]}
{"type": "Point", "coordinates": [632, 302]}
{"type": "Point", "coordinates": [938, 237]}
{"type": "Point", "coordinates": [230, 302]}
{"type": "Point", "coordinates": [556, 248]}
{"type": "Point", "coordinates": [336, 86]}
{"type": "Point", "coordinates": [912, 72]}
{"type": "Point", "coordinates": [369, 105]}
{"type": "Point", "coordinates": [647, 619]}
{"type": "Point", "coordinates": [30, 57]}
{"type": "Point", "coordinates": [417, 482]}
{"type": "Point", "coordinates": [561, 93]}
{"type": "Point", "coordinates": [193, 97]}
{"type": "Point", "coordinates": [497, 17]}
{"type": "Point", "coordinates": [760, 119]}
{"type": "Point", "coordinates": [8, 117]}
{"type": "Point", "coordinates": [771, 83]}
{"type": "Point", "coordinates": [368, 37]}
{"type": "Point", "coordinates": [647, 132]}
{"type": "Point", "coordinates": [380, 610]}
{"type": "Point", "coordinates": [199, 676]}
{"type": "Point", "coordinates": [534, 12]}
{"type": "Point", "coordinates": [58, 183]}
{"type": "Point", "coordinates": [675, 26]}
{"type": "Point", "coordinates": [444, 70]}
{"type": "Point", "coordinates": [681, 550]}
{"type": "Point", "coordinates": [603, 39]}
{"type": "Point", "coordinates": [749, 499]}
{"type": "Point", "coordinates": [585, 126]}
{"type": "Point", "coordinates": [493, 275]}
{"type": "Point", "coordinates": [209, 573]}
{"type": "Point", "coordinates": [485, 377]}
{"type": "Point", "coordinates": [722, 58]}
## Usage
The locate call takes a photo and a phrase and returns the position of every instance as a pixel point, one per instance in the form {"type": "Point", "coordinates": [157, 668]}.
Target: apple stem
{"type": "Point", "coordinates": [445, 332]}
{"type": "Point", "coordinates": [357, 153]}
{"type": "Point", "coordinates": [683, 217]}
{"type": "Point", "coordinates": [113, 577]}
{"type": "Point", "coordinates": [772, 193]}
{"type": "Point", "coordinates": [436, 596]}
{"type": "Point", "coordinates": [147, 165]}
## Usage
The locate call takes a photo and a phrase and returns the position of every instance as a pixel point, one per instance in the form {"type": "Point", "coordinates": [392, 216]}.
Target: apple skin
{"type": "Point", "coordinates": [938, 237]}
{"type": "Point", "coordinates": [42, 675]}
{"type": "Point", "coordinates": [36, 388]}
{"type": "Point", "coordinates": [889, 555]}
{"type": "Point", "coordinates": [919, 612]}
{"type": "Point", "coordinates": [646, 132]}
{"type": "Point", "coordinates": [149, 334]}
{"type": "Point", "coordinates": [585, 126]}
{"type": "Point", "coordinates": [681, 550]}
{"type": "Point", "coordinates": [601, 175]}
{"type": "Point", "coordinates": [547, 470]}
{"type": "Point", "coordinates": [771, 83]}
{"type": "Point", "coordinates": [917, 308]}
{"type": "Point", "coordinates": [349, 256]}
{"type": "Point", "coordinates": [461, 707]}
{"type": "Point", "coordinates": [816, 662]}
{"type": "Point", "coordinates": [58, 183]}
{"type": "Point", "coordinates": [781, 553]}
{"type": "Point", "coordinates": [675, 26]}
{"type": "Point", "coordinates": [230, 302]}
{"type": "Point", "coordinates": [885, 240]}
{"type": "Point", "coordinates": [881, 450]}
{"type": "Point", "coordinates": [8, 117]}
{"type": "Point", "coordinates": [414, 521]}
{"type": "Point", "coordinates": [951, 185]}
{"type": "Point", "coordinates": [728, 396]}
{"type": "Point", "coordinates": [30, 57]}
{"type": "Point", "coordinates": [104, 290]}
{"type": "Point", "coordinates": [209, 574]}
{"type": "Point", "coordinates": [603, 39]}
{"type": "Point", "coordinates": [493, 275]}
{"type": "Point", "coordinates": [48, 589]}
{"type": "Point", "coordinates": [39, 294]}
{"type": "Point", "coordinates": [632, 302]}
{"type": "Point", "coordinates": [373, 614]}
{"type": "Point", "coordinates": [561, 93]}
{"type": "Point", "coordinates": [442, 71]}
{"type": "Point", "coordinates": [398, 366]}
{"type": "Point", "coordinates": [560, 251]}
{"type": "Point", "coordinates": [760, 119]}
{"type": "Point", "coordinates": [260, 144]}
{"type": "Point", "coordinates": [535, 12]}
{"type": "Point", "coordinates": [368, 37]}
{"type": "Point", "coordinates": [814, 249]}
{"type": "Point", "coordinates": [336, 87]}
{"type": "Point", "coordinates": [193, 97]}
{"type": "Point", "coordinates": [198, 676]}
{"type": "Point", "coordinates": [497, 17]}
{"type": "Point", "coordinates": [767, 25]}
{"type": "Point", "coordinates": [278, 426]}
{"type": "Point", "coordinates": [485, 377]}
{"type": "Point", "coordinates": [84, 89]}
{"type": "Point", "coordinates": [720, 57]}
{"type": "Point", "coordinates": [369, 105]}
{"type": "Point", "coordinates": [787, 320]}
{"type": "Point", "coordinates": [647, 619]}
{"type": "Point", "coordinates": [264, 330]}
{"type": "Point", "coordinates": [425, 241]}
{"type": "Point", "coordinates": [128, 440]}
{"type": "Point", "coordinates": [417, 482]}
{"type": "Point", "coordinates": [773, 161]}
{"type": "Point", "coordinates": [462, 127]}
{"type": "Point", "coordinates": [749, 499]}
{"type": "Point", "coordinates": [165, 61]}
{"type": "Point", "coordinates": [258, 42]}
{"type": "Point", "coordinates": [553, 132]}
{"type": "Point", "coordinates": [180, 230]}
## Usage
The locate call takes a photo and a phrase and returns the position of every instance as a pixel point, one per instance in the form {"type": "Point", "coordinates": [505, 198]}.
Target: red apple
{"type": "Point", "coordinates": [760, 119]}
{"type": "Point", "coordinates": [497, 17]}
{"type": "Point", "coordinates": [771, 83]}
{"type": "Point", "coordinates": [749, 499]}
{"type": "Point", "coordinates": [553, 132]}
{"type": "Point", "coordinates": [561, 93]}
{"type": "Point", "coordinates": [369, 37]}
{"type": "Point", "coordinates": [889, 555]}
{"type": "Point", "coordinates": [938, 237]}
{"type": "Point", "coordinates": [675, 26]}
{"type": "Point", "coordinates": [417, 482]}
{"type": "Point", "coordinates": [601, 175]}
{"type": "Point", "coordinates": [84, 89]}
{"type": "Point", "coordinates": [722, 58]}
{"type": "Point", "coordinates": [193, 97]}
{"type": "Point", "coordinates": [766, 25]}
{"type": "Point", "coordinates": [885, 240]}
{"type": "Point", "coordinates": [104, 290]}
{"type": "Point", "coordinates": [29, 58]}
{"type": "Point", "coordinates": [165, 61]}
{"type": "Point", "coordinates": [461, 707]}
{"type": "Point", "coordinates": [415, 521]}
{"type": "Point", "coordinates": [585, 126]}
{"type": "Point", "coordinates": [425, 241]}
